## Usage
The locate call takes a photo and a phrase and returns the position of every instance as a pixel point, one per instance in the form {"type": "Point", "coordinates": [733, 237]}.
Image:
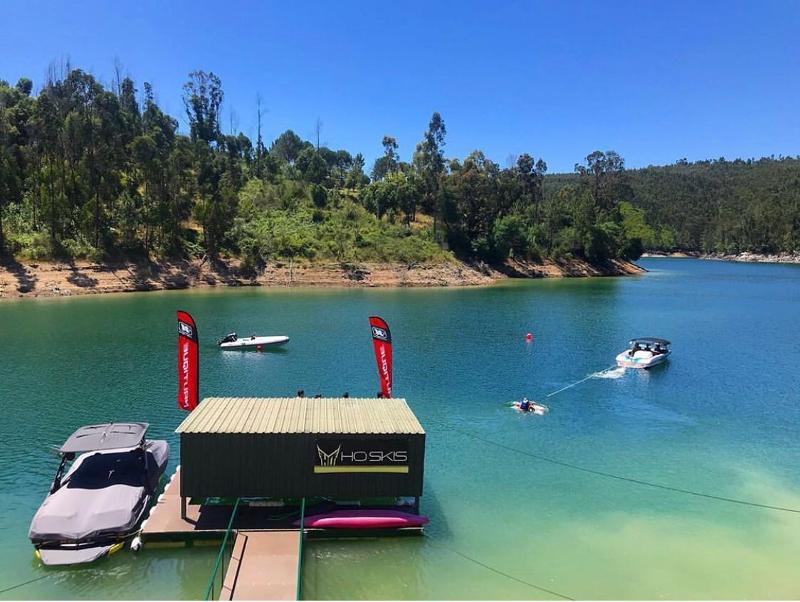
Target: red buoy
{"type": "Point", "coordinates": [529, 337]}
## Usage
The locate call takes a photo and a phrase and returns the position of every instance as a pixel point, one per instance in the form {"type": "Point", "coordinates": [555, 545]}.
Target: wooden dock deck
{"type": "Point", "coordinates": [265, 560]}
{"type": "Point", "coordinates": [264, 566]}
{"type": "Point", "coordinates": [165, 524]}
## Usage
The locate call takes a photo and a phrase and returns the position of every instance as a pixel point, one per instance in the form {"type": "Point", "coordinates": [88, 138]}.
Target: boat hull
{"type": "Point", "coordinates": [254, 342]}
{"type": "Point", "coordinates": [643, 363]}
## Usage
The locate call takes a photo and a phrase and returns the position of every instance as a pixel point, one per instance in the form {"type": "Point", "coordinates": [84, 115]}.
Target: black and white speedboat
{"type": "Point", "coordinates": [98, 501]}
{"type": "Point", "coordinates": [644, 352]}
{"type": "Point", "coordinates": [232, 341]}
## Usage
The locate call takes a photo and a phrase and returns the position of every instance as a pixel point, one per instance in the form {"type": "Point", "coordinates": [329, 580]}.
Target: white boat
{"type": "Point", "coordinates": [98, 502]}
{"type": "Point", "coordinates": [644, 352]}
{"type": "Point", "coordinates": [234, 342]}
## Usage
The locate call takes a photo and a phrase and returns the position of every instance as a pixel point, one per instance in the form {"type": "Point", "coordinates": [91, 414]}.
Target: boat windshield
{"type": "Point", "coordinates": [99, 471]}
{"type": "Point", "coordinates": [649, 343]}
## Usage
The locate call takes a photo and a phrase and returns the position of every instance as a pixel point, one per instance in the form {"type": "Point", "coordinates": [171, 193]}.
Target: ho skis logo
{"type": "Point", "coordinates": [186, 330]}
{"type": "Point", "coordinates": [360, 456]}
{"type": "Point", "coordinates": [363, 458]}
{"type": "Point", "coordinates": [328, 459]}
{"type": "Point", "coordinates": [380, 333]}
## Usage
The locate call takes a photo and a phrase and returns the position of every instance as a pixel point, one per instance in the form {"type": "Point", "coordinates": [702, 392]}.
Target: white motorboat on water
{"type": "Point", "coordinates": [644, 352]}
{"type": "Point", "coordinates": [232, 341]}
{"type": "Point", "coordinates": [98, 502]}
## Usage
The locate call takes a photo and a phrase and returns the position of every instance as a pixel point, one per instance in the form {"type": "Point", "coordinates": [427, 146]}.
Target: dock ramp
{"type": "Point", "coordinates": [263, 566]}
{"type": "Point", "coordinates": [260, 564]}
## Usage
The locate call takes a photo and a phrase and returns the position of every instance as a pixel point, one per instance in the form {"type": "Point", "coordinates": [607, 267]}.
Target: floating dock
{"type": "Point", "coordinates": [166, 527]}
{"type": "Point", "coordinates": [265, 456]}
{"type": "Point", "coordinates": [166, 524]}
{"type": "Point", "coordinates": [265, 562]}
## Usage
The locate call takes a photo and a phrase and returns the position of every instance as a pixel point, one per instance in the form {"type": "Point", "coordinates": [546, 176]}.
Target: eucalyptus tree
{"type": "Point", "coordinates": [356, 178]}
{"type": "Point", "coordinates": [259, 150]}
{"type": "Point", "coordinates": [217, 184]}
{"type": "Point", "coordinates": [605, 174]}
{"type": "Point", "coordinates": [430, 165]}
{"type": "Point", "coordinates": [387, 163]}
{"type": "Point", "coordinates": [202, 97]}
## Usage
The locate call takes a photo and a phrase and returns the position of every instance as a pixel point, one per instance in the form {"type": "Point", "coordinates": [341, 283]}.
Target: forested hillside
{"type": "Point", "coordinates": [724, 206]}
{"type": "Point", "coordinates": [102, 172]}
{"type": "Point", "coordinates": [713, 206]}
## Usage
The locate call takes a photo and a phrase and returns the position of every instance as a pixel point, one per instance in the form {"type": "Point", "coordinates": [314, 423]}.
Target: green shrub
{"type": "Point", "coordinates": [31, 245]}
{"type": "Point", "coordinates": [80, 249]}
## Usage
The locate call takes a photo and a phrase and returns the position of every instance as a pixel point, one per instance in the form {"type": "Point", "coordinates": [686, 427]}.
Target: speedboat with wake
{"type": "Point", "coordinates": [644, 352]}
{"type": "Point", "coordinates": [98, 501]}
{"type": "Point", "coordinates": [232, 341]}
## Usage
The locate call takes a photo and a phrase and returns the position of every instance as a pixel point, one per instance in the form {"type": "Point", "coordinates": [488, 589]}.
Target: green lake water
{"type": "Point", "coordinates": [720, 418]}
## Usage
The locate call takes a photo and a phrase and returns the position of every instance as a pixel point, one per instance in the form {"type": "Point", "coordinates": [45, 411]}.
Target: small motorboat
{"type": "Point", "coordinates": [232, 341]}
{"type": "Point", "coordinates": [644, 352]}
{"type": "Point", "coordinates": [98, 502]}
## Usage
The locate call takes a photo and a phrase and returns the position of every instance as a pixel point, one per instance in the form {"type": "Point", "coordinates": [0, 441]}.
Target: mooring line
{"type": "Point", "coordinates": [502, 573]}
{"type": "Point", "coordinates": [592, 375]}
{"type": "Point", "coordinates": [609, 475]}
{"type": "Point", "coordinates": [23, 584]}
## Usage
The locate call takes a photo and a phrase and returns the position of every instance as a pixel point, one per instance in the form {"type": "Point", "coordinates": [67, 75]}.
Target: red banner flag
{"type": "Point", "coordinates": [188, 364]}
{"type": "Point", "coordinates": [382, 344]}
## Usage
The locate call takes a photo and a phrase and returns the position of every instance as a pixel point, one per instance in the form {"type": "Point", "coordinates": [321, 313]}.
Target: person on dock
{"type": "Point", "coordinates": [301, 393]}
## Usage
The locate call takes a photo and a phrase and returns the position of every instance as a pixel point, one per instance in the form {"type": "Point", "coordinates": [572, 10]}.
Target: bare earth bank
{"type": "Point", "coordinates": [44, 279]}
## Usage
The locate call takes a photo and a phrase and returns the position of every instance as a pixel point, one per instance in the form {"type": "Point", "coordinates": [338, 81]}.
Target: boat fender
{"type": "Point", "coordinates": [136, 544]}
{"type": "Point", "coordinates": [116, 548]}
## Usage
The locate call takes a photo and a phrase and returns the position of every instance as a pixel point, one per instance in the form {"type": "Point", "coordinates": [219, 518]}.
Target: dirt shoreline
{"type": "Point", "coordinates": [46, 279]}
{"type": "Point", "coordinates": [745, 257]}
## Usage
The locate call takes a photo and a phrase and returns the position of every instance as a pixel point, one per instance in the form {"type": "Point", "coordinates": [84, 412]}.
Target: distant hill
{"type": "Point", "coordinates": [715, 206]}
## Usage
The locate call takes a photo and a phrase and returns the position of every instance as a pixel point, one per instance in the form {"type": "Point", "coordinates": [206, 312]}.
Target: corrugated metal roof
{"type": "Point", "coordinates": [302, 415]}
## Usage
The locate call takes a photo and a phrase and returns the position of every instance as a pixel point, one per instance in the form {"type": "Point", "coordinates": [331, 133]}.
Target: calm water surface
{"type": "Point", "coordinates": [721, 418]}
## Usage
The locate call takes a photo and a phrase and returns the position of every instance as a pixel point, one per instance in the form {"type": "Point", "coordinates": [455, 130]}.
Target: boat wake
{"type": "Point", "coordinates": [613, 373]}
{"type": "Point", "coordinates": [610, 372]}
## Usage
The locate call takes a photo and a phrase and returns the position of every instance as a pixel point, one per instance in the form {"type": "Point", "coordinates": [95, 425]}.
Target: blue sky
{"type": "Point", "coordinates": [654, 81]}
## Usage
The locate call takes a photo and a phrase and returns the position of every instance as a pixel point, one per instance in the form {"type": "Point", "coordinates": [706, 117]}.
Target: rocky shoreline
{"type": "Point", "coordinates": [745, 257]}
{"type": "Point", "coordinates": [44, 279]}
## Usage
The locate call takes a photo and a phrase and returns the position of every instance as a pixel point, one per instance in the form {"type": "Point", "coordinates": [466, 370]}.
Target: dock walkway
{"type": "Point", "coordinates": [165, 524]}
{"type": "Point", "coordinates": [265, 560]}
{"type": "Point", "coordinates": [263, 566]}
